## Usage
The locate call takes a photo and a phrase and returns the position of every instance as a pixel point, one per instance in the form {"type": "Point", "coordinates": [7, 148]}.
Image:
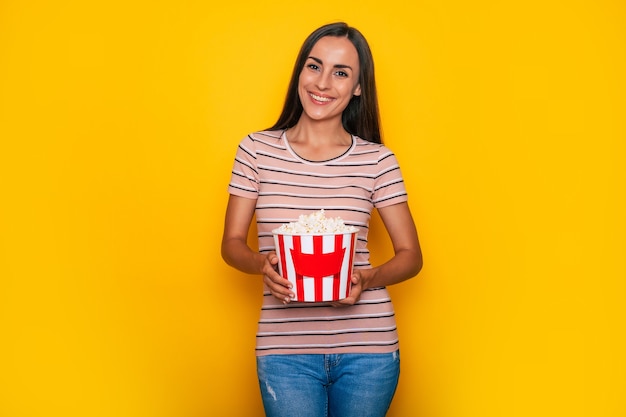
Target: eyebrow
{"type": "Point", "coordinates": [319, 61]}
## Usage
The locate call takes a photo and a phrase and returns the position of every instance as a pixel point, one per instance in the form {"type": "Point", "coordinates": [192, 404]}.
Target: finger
{"type": "Point", "coordinates": [272, 258]}
{"type": "Point", "coordinates": [279, 287]}
{"type": "Point", "coordinates": [356, 277]}
{"type": "Point", "coordinates": [277, 283]}
{"type": "Point", "coordinates": [345, 302]}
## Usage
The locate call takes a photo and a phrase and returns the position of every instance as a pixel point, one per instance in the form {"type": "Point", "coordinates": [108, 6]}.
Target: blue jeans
{"type": "Point", "coordinates": [337, 385]}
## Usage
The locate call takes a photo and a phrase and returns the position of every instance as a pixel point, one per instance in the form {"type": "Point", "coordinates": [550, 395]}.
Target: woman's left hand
{"type": "Point", "coordinates": [359, 280]}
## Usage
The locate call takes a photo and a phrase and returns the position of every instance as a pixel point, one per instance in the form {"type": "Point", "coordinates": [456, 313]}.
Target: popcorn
{"type": "Point", "coordinates": [316, 223]}
{"type": "Point", "coordinates": [316, 254]}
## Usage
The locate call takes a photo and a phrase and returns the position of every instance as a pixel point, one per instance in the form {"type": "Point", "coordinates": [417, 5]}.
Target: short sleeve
{"type": "Point", "coordinates": [389, 185]}
{"type": "Point", "coordinates": [244, 181]}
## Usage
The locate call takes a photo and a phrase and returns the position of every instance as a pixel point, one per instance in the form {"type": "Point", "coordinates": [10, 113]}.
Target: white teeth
{"type": "Point", "coordinates": [318, 98]}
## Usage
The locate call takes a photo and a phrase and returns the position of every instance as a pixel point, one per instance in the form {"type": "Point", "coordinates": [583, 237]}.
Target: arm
{"type": "Point", "coordinates": [407, 259]}
{"type": "Point", "coordinates": [237, 253]}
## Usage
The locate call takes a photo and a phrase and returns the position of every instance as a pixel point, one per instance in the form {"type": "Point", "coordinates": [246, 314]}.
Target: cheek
{"type": "Point", "coordinates": [301, 85]}
{"type": "Point", "coordinates": [348, 89]}
{"type": "Point", "coordinates": [304, 78]}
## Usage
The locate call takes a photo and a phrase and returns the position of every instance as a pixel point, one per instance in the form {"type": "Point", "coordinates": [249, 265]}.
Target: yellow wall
{"type": "Point", "coordinates": [118, 124]}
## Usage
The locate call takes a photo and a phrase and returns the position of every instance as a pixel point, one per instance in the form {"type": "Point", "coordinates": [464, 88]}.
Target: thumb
{"type": "Point", "coordinates": [273, 258]}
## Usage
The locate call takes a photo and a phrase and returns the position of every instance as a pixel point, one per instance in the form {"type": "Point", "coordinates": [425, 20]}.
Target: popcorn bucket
{"type": "Point", "coordinates": [318, 265]}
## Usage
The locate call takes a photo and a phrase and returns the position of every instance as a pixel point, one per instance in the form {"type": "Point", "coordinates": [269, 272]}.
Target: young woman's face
{"type": "Point", "coordinates": [329, 79]}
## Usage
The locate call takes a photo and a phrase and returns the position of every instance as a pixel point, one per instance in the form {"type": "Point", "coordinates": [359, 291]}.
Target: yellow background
{"type": "Point", "coordinates": [118, 124]}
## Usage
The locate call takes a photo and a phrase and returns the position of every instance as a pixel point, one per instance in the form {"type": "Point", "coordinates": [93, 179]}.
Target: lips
{"type": "Point", "coordinates": [321, 99]}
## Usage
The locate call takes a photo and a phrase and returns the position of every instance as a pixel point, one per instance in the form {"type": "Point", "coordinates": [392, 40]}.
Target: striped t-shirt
{"type": "Point", "coordinates": [349, 186]}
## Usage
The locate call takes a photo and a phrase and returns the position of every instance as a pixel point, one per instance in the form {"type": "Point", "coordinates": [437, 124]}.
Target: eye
{"type": "Point", "coordinates": [312, 66]}
{"type": "Point", "coordinates": [342, 73]}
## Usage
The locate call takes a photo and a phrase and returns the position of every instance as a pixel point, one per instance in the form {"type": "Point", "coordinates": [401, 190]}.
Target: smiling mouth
{"type": "Point", "coordinates": [319, 98]}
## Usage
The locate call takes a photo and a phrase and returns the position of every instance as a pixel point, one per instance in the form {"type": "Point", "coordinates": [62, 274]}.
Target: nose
{"type": "Point", "coordinates": [323, 80]}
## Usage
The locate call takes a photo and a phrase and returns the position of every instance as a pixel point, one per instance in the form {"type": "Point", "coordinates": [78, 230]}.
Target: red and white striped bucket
{"type": "Point", "coordinates": [319, 266]}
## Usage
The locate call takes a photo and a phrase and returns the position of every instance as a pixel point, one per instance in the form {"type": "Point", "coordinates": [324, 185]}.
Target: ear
{"type": "Point", "coordinates": [357, 90]}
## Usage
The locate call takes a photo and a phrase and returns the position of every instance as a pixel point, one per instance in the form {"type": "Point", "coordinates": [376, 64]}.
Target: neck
{"type": "Point", "coordinates": [316, 132]}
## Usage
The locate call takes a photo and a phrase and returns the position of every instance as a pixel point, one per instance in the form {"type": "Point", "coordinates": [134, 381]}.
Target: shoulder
{"type": "Point", "coordinates": [379, 150]}
{"type": "Point", "coordinates": [271, 138]}
{"type": "Point", "coordinates": [261, 139]}
{"type": "Point", "coordinates": [268, 136]}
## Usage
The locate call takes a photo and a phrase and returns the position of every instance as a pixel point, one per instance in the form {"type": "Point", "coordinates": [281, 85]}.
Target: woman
{"type": "Point", "coordinates": [324, 359]}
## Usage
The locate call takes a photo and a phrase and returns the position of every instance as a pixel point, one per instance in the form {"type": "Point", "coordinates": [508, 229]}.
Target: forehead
{"type": "Point", "coordinates": [335, 50]}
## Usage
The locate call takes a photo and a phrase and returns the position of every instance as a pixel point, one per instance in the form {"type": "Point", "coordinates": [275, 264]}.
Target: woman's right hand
{"type": "Point", "coordinates": [278, 286]}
